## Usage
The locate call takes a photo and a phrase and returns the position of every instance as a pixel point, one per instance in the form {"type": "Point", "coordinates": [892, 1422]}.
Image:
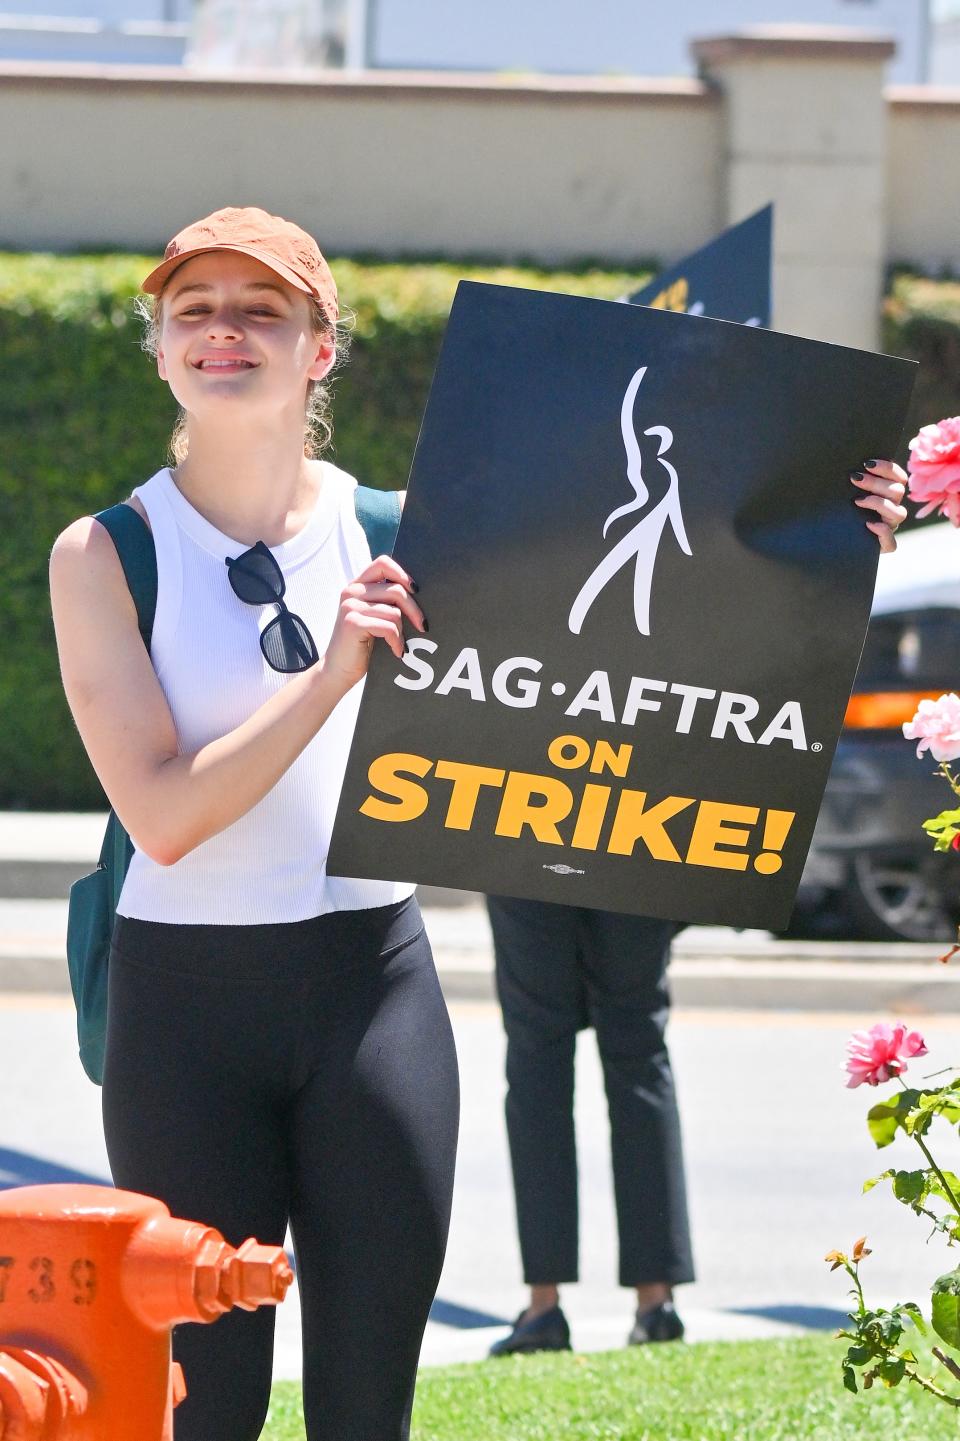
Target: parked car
{"type": "Point", "coordinates": [872, 872]}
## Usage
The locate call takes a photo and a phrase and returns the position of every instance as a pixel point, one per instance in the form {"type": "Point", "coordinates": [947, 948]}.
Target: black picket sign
{"type": "Point", "coordinates": [647, 589]}
{"type": "Point", "coordinates": [729, 279]}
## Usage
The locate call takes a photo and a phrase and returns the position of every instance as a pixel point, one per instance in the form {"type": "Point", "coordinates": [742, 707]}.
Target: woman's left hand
{"type": "Point", "coordinates": [883, 485]}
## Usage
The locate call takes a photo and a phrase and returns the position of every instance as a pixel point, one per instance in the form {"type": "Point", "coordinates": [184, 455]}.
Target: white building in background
{"type": "Point", "coordinates": [945, 50]}
{"type": "Point", "coordinates": [638, 37]}
{"type": "Point", "coordinates": [251, 34]}
{"type": "Point", "coordinates": [146, 32]}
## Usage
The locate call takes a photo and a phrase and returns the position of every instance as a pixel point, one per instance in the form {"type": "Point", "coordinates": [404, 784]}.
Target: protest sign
{"type": "Point", "coordinates": [729, 279]}
{"type": "Point", "coordinates": [647, 588]}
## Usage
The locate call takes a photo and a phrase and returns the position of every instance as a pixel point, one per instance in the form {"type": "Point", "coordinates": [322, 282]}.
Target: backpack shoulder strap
{"type": "Point", "coordinates": [115, 854]}
{"type": "Point", "coordinates": [378, 511]}
{"type": "Point", "coordinates": [138, 555]}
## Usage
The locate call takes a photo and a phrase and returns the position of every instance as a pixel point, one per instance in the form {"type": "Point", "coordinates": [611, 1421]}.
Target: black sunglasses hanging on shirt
{"type": "Point", "coordinates": [257, 579]}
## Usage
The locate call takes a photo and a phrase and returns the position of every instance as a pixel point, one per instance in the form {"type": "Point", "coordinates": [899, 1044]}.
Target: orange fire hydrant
{"type": "Point", "coordinates": [91, 1282]}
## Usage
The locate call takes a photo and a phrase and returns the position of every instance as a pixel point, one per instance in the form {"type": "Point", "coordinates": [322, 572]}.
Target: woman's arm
{"type": "Point", "coordinates": [169, 802]}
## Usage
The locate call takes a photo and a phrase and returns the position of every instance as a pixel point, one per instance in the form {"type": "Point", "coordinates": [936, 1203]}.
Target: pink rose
{"type": "Point", "coordinates": [881, 1053]}
{"type": "Point", "coordinates": [934, 469]}
{"type": "Point", "coordinates": [936, 725]}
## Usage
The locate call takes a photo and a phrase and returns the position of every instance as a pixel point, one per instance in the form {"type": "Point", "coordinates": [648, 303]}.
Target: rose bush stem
{"type": "Point", "coordinates": [954, 783]}
{"type": "Point", "coordinates": [923, 1146]}
{"type": "Point", "coordinates": [853, 1271]}
{"type": "Point", "coordinates": [934, 1389]}
{"type": "Point", "coordinates": [947, 1361]}
{"type": "Point", "coordinates": [938, 1173]}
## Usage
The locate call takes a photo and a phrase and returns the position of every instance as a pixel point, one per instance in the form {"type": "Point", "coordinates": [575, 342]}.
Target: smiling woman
{"type": "Point", "coordinates": [265, 300]}
{"type": "Point", "coordinates": [277, 1047]}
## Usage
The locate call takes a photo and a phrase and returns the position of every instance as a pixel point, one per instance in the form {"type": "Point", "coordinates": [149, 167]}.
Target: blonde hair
{"type": "Point", "coordinates": [318, 422]}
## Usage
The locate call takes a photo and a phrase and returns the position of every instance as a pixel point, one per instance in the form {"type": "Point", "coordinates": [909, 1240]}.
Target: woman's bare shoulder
{"type": "Point", "coordinates": [86, 543]}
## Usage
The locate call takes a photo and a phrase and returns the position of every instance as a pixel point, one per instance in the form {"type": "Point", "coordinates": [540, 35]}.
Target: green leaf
{"type": "Point", "coordinates": [941, 1102]}
{"type": "Point", "coordinates": [943, 828]}
{"type": "Point", "coordinates": [891, 1370]}
{"type": "Point", "coordinates": [882, 1123]}
{"type": "Point", "coordinates": [886, 1117]}
{"type": "Point", "coordinates": [945, 1309]}
{"type": "Point", "coordinates": [936, 1188]}
{"type": "Point", "coordinates": [945, 818]}
{"type": "Point", "coordinates": [948, 1284]}
{"type": "Point", "coordinates": [890, 1327]}
{"type": "Point", "coordinates": [910, 1186]}
{"type": "Point", "coordinates": [875, 1180]}
{"type": "Point", "coordinates": [858, 1355]}
{"type": "Point", "coordinates": [850, 1379]}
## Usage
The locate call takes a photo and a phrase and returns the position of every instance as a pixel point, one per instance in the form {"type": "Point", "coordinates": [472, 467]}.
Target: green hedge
{"type": "Point", "coordinates": [84, 418]}
{"type": "Point", "coordinates": [921, 320]}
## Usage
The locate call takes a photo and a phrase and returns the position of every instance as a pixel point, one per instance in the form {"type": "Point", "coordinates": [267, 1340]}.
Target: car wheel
{"type": "Point", "coordinates": [904, 898]}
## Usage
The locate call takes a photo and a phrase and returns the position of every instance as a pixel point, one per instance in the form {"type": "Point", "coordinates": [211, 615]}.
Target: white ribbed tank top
{"type": "Point", "coordinates": [270, 865]}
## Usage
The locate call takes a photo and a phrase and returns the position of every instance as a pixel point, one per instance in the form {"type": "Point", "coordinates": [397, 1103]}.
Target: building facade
{"type": "Point", "coordinates": [607, 37]}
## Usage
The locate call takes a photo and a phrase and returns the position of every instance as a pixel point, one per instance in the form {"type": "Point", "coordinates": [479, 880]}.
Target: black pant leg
{"type": "Point", "coordinates": [543, 1003]}
{"type": "Point", "coordinates": [188, 1119]}
{"type": "Point", "coordinates": [625, 958]}
{"type": "Point", "coordinates": [373, 1147]}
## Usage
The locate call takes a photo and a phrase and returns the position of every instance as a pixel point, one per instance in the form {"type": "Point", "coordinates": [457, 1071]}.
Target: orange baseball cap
{"type": "Point", "coordinates": [284, 247]}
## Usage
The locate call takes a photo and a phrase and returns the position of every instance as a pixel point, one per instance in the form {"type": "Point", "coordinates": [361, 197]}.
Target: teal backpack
{"type": "Point", "coordinates": [93, 899]}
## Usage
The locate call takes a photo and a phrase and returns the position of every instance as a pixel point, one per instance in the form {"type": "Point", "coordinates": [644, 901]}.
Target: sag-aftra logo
{"type": "Point", "coordinates": [641, 544]}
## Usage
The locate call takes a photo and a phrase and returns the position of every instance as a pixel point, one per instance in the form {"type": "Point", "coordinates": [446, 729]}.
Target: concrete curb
{"type": "Point", "coordinates": [41, 855]}
{"type": "Point", "coordinates": [735, 984]}
{"type": "Point", "coordinates": [713, 982]}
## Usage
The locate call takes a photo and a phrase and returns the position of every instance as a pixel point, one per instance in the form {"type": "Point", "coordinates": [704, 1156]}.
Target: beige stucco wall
{"type": "Point", "coordinates": [805, 124]}
{"type": "Point", "coordinates": [554, 170]}
{"type": "Point", "coordinates": [923, 178]}
{"type": "Point", "coordinates": [550, 168]}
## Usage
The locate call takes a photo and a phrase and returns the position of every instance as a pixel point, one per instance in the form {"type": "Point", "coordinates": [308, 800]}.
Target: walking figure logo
{"type": "Point", "coordinates": [643, 541]}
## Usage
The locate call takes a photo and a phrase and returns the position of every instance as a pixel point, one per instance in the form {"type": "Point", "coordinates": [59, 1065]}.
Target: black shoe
{"type": "Point", "coordinates": [547, 1332]}
{"type": "Point", "coordinates": [660, 1323]}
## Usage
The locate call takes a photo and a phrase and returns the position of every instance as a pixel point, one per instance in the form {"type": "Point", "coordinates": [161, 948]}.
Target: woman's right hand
{"type": "Point", "coordinates": [372, 607]}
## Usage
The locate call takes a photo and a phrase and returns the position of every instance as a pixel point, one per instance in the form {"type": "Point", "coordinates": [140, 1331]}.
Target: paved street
{"type": "Point", "coordinates": [777, 1150]}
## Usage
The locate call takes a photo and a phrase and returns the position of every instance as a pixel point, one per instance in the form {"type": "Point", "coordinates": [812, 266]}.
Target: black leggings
{"type": "Point", "coordinates": [302, 1072]}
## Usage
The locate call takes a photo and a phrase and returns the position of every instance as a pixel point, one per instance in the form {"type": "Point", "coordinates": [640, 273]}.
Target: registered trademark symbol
{"type": "Point", "coordinates": [816, 746]}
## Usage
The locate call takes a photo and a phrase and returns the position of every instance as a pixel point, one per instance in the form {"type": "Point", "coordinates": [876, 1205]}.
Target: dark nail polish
{"type": "Point", "coordinates": [869, 464]}
{"type": "Point", "coordinates": [855, 474]}
{"type": "Point", "coordinates": [414, 587]}
{"type": "Point", "coordinates": [425, 624]}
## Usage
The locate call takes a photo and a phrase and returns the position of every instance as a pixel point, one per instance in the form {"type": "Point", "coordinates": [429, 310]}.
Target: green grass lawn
{"type": "Point", "coordinates": [745, 1391]}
